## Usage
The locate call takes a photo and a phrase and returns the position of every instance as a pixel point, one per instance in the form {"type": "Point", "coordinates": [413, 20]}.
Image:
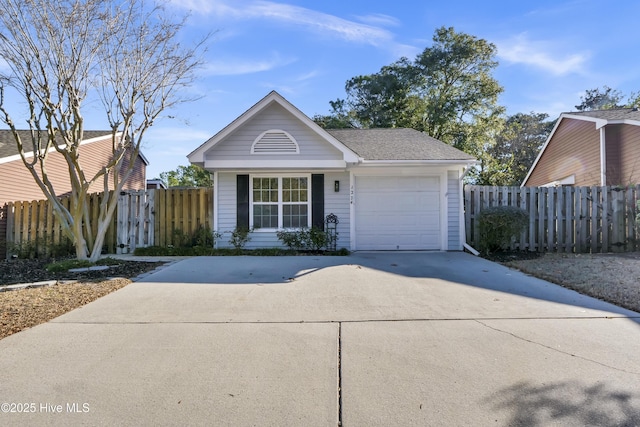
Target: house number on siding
{"type": "Point", "coordinates": [351, 192]}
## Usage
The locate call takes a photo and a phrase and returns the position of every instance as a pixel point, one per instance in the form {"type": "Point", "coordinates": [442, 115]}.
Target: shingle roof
{"type": "Point", "coordinates": [614, 114]}
{"type": "Point", "coordinates": [396, 144]}
{"type": "Point", "coordinates": [8, 144]}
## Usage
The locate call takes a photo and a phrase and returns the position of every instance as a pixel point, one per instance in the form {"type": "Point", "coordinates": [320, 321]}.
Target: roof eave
{"type": "Point", "coordinates": [419, 162]}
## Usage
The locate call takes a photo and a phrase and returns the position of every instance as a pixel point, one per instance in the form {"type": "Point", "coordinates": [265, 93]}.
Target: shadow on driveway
{"type": "Point", "coordinates": [575, 402]}
{"type": "Point", "coordinates": [403, 270]}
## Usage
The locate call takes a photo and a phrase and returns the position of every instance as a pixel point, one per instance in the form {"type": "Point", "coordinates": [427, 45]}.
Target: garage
{"type": "Point", "coordinates": [397, 213]}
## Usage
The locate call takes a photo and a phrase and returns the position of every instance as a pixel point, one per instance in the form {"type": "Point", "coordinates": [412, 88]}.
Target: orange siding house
{"type": "Point", "coordinates": [17, 184]}
{"type": "Point", "coordinates": [590, 148]}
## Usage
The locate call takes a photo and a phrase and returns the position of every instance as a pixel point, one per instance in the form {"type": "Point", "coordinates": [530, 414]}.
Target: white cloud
{"type": "Point", "coordinates": [312, 20]}
{"type": "Point", "coordinates": [379, 19]}
{"type": "Point", "coordinates": [307, 76]}
{"type": "Point", "coordinates": [541, 54]}
{"type": "Point", "coordinates": [237, 66]}
{"type": "Point", "coordinates": [205, 7]}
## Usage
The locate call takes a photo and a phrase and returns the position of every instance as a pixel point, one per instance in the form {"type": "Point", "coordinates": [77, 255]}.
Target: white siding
{"type": "Point", "coordinates": [237, 146]}
{"type": "Point", "coordinates": [226, 199]}
{"type": "Point", "coordinates": [453, 211]}
{"type": "Point", "coordinates": [336, 203]}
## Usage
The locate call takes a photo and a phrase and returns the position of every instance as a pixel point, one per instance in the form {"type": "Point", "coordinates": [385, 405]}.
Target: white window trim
{"type": "Point", "coordinates": [280, 202]}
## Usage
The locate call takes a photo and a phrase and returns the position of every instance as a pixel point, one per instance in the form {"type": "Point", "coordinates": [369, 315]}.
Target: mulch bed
{"type": "Point", "coordinates": [33, 270]}
{"type": "Point", "coordinates": [25, 308]}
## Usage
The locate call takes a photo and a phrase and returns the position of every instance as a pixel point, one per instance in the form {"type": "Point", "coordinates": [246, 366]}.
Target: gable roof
{"type": "Point", "coordinates": [616, 116]}
{"type": "Point", "coordinates": [631, 114]}
{"type": "Point", "coordinates": [388, 144]}
{"type": "Point", "coordinates": [9, 149]}
{"type": "Point", "coordinates": [397, 144]}
{"type": "Point", "coordinates": [197, 155]}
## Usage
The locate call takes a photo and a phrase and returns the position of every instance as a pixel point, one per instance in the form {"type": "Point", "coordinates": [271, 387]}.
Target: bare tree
{"type": "Point", "coordinates": [62, 53]}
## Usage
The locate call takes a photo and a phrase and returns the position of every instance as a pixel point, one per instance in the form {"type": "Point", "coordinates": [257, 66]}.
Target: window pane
{"type": "Point", "coordinates": [286, 195]}
{"type": "Point", "coordinates": [257, 196]}
{"type": "Point", "coordinates": [303, 183]}
{"type": "Point", "coordinates": [286, 183]}
{"type": "Point", "coordinates": [294, 216]}
{"type": "Point", "coordinates": [265, 216]}
{"type": "Point", "coordinates": [303, 195]}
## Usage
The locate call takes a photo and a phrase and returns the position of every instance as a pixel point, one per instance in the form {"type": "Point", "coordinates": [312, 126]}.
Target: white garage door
{"type": "Point", "coordinates": [397, 213]}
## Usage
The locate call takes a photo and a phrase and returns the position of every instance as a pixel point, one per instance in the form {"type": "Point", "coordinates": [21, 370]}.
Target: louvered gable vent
{"type": "Point", "coordinates": [275, 141]}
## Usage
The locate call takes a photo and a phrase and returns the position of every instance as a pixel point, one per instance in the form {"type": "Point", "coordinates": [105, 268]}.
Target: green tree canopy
{"type": "Point", "coordinates": [187, 176]}
{"type": "Point", "coordinates": [448, 91]}
{"type": "Point", "coordinates": [515, 149]}
{"type": "Point", "coordinates": [600, 99]}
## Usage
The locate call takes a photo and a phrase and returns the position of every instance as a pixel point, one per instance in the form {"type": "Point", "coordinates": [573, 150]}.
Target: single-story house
{"type": "Point", "coordinates": [391, 189]}
{"type": "Point", "coordinates": [590, 148]}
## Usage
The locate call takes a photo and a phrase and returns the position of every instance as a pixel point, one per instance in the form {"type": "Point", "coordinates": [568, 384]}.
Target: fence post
{"type": "Point", "coordinates": [123, 220]}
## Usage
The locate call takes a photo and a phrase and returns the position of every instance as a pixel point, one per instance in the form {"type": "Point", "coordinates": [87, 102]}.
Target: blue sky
{"type": "Point", "coordinates": [549, 52]}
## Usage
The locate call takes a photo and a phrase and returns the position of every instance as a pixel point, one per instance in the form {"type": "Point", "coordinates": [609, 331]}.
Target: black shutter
{"type": "Point", "coordinates": [242, 211]}
{"type": "Point", "coordinates": [317, 201]}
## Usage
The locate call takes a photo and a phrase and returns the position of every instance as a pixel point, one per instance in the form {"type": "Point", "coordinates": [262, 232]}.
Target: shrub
{"type": "Point", "coordinates": [200, 237]}
{"type": "Point", "coordinates": [313, 239]}
{"type": "Point", "coordinates": [498, 224]}
{"type": "Point", "coordinates": [316, 239]}
{"type": "Point", "coordinates": [291, 239]}
{"type": "Point", "coordinates": [41, 248]}
{"type": "Point", "coordinates": [240, 237]}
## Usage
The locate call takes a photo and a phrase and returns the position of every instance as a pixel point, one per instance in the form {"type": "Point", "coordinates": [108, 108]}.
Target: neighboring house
{"type": "Point", "coordinates": [590, 148]}
{"type": "Point", "coordinates": [391, 189]}
{"type": "Point", "coordinates": [16, 182]}
{"type": "Point", "coordinates": [154, 184]}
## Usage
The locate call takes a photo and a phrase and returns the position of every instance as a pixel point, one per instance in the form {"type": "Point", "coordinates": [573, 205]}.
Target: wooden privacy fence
{"type": "Point", "coordinates": [162, 217]}
{"type": "Point", "coordinates": [563, 219]}
{"type": "Point", "coordinates": [33, 230]}
{"type": "Point", "coordinates": [143, 218]}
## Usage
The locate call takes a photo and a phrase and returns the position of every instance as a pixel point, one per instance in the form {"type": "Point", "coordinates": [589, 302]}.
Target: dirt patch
{"type": "Point", "coordinates": [610, 277]}
{"type": "Point", "coordinates": [25, 308]}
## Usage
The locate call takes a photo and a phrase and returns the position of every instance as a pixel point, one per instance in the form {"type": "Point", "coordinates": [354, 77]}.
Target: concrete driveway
{"type": "Point", "coordinates": [373, 339]}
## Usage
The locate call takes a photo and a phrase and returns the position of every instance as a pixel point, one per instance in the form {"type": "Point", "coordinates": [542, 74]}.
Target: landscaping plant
{"type": "Point", "coordinates": [498, 225]}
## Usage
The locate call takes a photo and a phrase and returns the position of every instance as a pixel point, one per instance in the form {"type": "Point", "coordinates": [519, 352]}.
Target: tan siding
{"type": "Point", "coordinates": [16, 182]}
{"type": "Point", "coordinates": [630, 154]}
{"type": "Point", "coordinates": [613, 154]}
{"type": "Point", "coordinates": [137, 180]}
{"type": "Point", "coordinates": [237, 146]}
{"type": "Point", "coordinates": [573, 150]}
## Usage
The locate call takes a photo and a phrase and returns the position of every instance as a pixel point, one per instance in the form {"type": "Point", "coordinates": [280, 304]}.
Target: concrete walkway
{"type": "Point", "coordinates": [373, 339]}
